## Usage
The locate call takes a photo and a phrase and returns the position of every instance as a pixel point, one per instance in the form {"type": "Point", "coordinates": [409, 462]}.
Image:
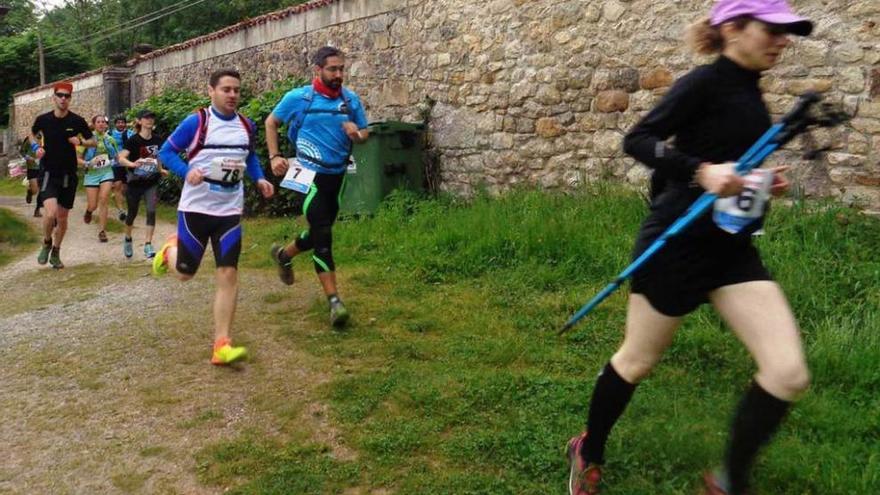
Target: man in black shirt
{"type": "Point", "coordinates": [62, 131]}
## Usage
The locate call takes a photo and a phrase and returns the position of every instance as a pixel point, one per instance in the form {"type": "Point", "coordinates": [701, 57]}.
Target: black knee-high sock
{"type": "Point", "coordinates": [757, 418]}
{"type": "Point", "coordinates": [610, 397]}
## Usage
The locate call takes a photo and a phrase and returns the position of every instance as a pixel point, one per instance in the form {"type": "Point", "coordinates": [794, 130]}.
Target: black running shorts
{"type": "Point", "coordinates": [194, 230]}
{"type": "Point", "coordinates": [120, 174]}
{"type": "Point", "coordinates": [59, 186]}
{"type": "Point", "coordinates": [679, 277]}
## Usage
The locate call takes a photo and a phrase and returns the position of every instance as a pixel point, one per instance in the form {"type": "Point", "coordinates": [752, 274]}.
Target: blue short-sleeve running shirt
{"type": "Point", "coordinates": [321, 136]}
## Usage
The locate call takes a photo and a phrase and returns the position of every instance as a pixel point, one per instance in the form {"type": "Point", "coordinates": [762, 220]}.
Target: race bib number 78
{"type": "Point", "coordinates": [226, 170]}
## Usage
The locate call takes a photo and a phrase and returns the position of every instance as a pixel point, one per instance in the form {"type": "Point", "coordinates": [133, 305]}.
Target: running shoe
{"type": "Point", "coordinates": [716, 483]}
{"type": "Point", "coordinates": [583, 478]}
{"type": "Point", "coordinates": [338, 313]}
{"type": "Point", "coordinates": [102, 236]}
{"type": "Point", "coordinates": [55, 259]}
{"type": "Point", "coordinates": [285, 270]}
{"type": "Point", "coordinates": [127, 248]}
{"type": "Point", "coordinates": [29, 195]}
{"type": "Point", "coordinates": [121, 216]}
{"type": "Point", "coordinates": [87, 217]}
{"type": "Point", "coordinates": [160, 261]}
{"type": "Point", "coordinates": [149, 252]}
{"type": "Point", "coordinates": [225, 354]}
{"type": "Point", "coordinates": [43, 257]}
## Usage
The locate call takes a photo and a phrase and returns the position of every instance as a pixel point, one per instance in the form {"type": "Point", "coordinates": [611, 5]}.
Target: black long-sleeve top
{"type": "Point", "coordinates": [714, 114]}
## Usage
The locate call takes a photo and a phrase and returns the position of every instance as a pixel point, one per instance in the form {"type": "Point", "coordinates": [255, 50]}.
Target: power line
{"type": "Point", "coordinates": [93, 40]}
{"type": "Point", "coordinates": [85, 39]}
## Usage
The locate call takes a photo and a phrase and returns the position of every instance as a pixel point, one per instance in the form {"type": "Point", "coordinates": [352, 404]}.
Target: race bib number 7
{"type": "Point", "coordinates": [735, 214]}
{"type": "Point", "coordinates": [298, 178]}
{"type": "Point", "coordinates": [227, 171]}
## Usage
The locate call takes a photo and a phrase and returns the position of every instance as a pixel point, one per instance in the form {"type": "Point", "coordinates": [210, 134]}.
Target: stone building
{"type": "Point", "coordinates": [525, 91]}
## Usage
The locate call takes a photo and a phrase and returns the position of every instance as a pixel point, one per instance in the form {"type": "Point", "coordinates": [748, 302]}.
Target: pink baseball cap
{"type": "Point", "coordinates": [769, 11]}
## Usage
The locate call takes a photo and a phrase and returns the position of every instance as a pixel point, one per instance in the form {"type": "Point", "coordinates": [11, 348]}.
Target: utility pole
{"type": "Point", "coordinates": [42, 60]}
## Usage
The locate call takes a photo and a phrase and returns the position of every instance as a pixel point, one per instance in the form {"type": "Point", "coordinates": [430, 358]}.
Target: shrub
{"type": "Point", "coordinates": [172, 106]}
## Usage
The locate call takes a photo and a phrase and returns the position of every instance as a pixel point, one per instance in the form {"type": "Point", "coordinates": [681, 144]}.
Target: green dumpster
{"type": "Point", "coordinates": [392, 158]}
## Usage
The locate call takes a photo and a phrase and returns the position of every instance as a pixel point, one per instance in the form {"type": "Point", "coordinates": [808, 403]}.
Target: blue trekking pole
{"type": "Point", "coordinates": [792, 124]}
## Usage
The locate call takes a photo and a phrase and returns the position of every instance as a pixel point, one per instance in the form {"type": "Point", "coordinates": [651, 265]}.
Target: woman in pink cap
{"type": "Point", "coordinates": [714, 113]}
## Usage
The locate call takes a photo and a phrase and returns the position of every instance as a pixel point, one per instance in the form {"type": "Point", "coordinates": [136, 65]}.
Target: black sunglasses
{"type": "Point", "coordinates": [63, 95]}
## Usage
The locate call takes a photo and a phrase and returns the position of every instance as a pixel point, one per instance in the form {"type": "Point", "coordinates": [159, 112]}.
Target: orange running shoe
{"type": "Point", "coordinates": [224, 353]}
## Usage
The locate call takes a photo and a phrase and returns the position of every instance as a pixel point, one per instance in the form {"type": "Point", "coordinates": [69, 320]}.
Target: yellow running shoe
{"type": "Point", "coordinates": [225, 354]}
{"type": "Point", "coordinates": [160, 260]}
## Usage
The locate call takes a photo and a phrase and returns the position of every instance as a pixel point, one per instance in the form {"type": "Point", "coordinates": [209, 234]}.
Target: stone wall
{"type": "Point", "coordinates": [88, 100]}
{"type": "Point", "coordinates": [542, 91]}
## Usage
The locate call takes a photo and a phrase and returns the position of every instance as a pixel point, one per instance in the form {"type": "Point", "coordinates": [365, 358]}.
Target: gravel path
{"type": "Point", "coordinates": [105, 385]}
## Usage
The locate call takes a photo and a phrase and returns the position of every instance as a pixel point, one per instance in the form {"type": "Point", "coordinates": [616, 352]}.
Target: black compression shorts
{"type": "Point", "coordinates": [193, 232]}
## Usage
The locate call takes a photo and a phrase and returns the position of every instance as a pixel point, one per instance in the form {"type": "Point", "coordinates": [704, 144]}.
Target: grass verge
{"type": "Point", "coordinates": [16, 236]}
{"type": "Point", "coordinates": [451, 379]}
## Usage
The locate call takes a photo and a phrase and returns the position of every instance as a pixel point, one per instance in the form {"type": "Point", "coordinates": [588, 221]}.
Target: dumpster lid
{"type": "Point", "coordinates": [393, 126]}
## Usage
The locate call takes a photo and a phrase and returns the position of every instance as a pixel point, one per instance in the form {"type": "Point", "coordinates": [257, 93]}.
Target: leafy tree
{"type": "Point", "coordinates": [20, 17]}
{"type": "Point", "coordinates": [20, 70]}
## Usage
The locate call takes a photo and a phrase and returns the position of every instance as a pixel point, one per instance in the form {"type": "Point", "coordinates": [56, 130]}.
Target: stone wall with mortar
{"type": "Point", "coordinates": [88, 100]}
{"type": "Point", "coordinates": [542, 91]}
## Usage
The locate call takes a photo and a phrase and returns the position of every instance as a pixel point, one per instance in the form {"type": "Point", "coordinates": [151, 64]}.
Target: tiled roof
{"type": "Point", "coordinates": [271, 16]}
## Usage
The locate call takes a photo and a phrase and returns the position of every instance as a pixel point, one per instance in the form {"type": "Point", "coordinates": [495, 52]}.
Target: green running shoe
{"type": "Point", "coordinates": [55, 259]}
{"type": "Point", "coordinates": [285, 270]}
{"type": "Point", "coordinates": [338, 314]}
{"type": "Point", "coordinates": [43, 257]}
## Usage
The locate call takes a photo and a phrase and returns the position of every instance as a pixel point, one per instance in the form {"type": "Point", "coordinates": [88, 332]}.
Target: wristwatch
{"type": "Point", "coordinates": [276, 155]}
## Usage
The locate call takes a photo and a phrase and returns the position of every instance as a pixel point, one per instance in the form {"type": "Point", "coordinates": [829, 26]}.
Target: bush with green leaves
{"type": "Point", "coordinates": [170, 107]}
{"type": "Point", "coordinates": [285, 202]}
{"type": "Point", "coordinates": [174, 105]}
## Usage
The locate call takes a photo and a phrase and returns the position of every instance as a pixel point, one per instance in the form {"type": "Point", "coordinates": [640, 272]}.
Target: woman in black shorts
{"type": "Point", "coordinates": [714, 113]}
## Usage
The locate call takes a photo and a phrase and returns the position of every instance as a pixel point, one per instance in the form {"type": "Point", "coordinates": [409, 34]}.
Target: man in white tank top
{"type": "Point", "coordinates": [219, 145]}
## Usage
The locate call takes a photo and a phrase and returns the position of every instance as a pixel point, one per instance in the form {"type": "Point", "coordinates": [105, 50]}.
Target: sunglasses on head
{"type": "Point", "coordinates": [63, 95]}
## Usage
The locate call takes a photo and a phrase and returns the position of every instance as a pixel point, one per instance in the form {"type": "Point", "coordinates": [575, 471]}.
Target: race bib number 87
{"type": "Point", "coordinates": [99, 161]}
{"type": "Point", "coordinates": [735, 214]}
{"type": "Point", "coordinates": [298, 178]}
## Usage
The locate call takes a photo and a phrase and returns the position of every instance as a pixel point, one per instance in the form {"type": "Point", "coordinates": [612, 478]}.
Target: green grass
{"type": "Point", "coordinates": [12, 187]}
{"type": "Point", "coordinates": [15, 236]}
{"type": "Point", "coordinates": [451, 380]}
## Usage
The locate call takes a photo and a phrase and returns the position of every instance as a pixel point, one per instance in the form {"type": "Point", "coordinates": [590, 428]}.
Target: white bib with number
{"type": "Point", "coordinates": [736, 213]}
{"type": "Point", "coordinates": [146, 167]}
{"type": "Point", "coordinates": [298, 178]}
{"type": "Point", "coordinates": [226, 170]}
{"type": "Point", "coordinates": [99, 161]}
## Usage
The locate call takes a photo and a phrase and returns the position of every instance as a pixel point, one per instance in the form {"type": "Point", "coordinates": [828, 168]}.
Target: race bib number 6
{"type": "Point", "coordinates": [735, 214]}
{"type": "Point", "coordinates": [298, 178]}
{"type": "Point", "coordinates": [226, 171]}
